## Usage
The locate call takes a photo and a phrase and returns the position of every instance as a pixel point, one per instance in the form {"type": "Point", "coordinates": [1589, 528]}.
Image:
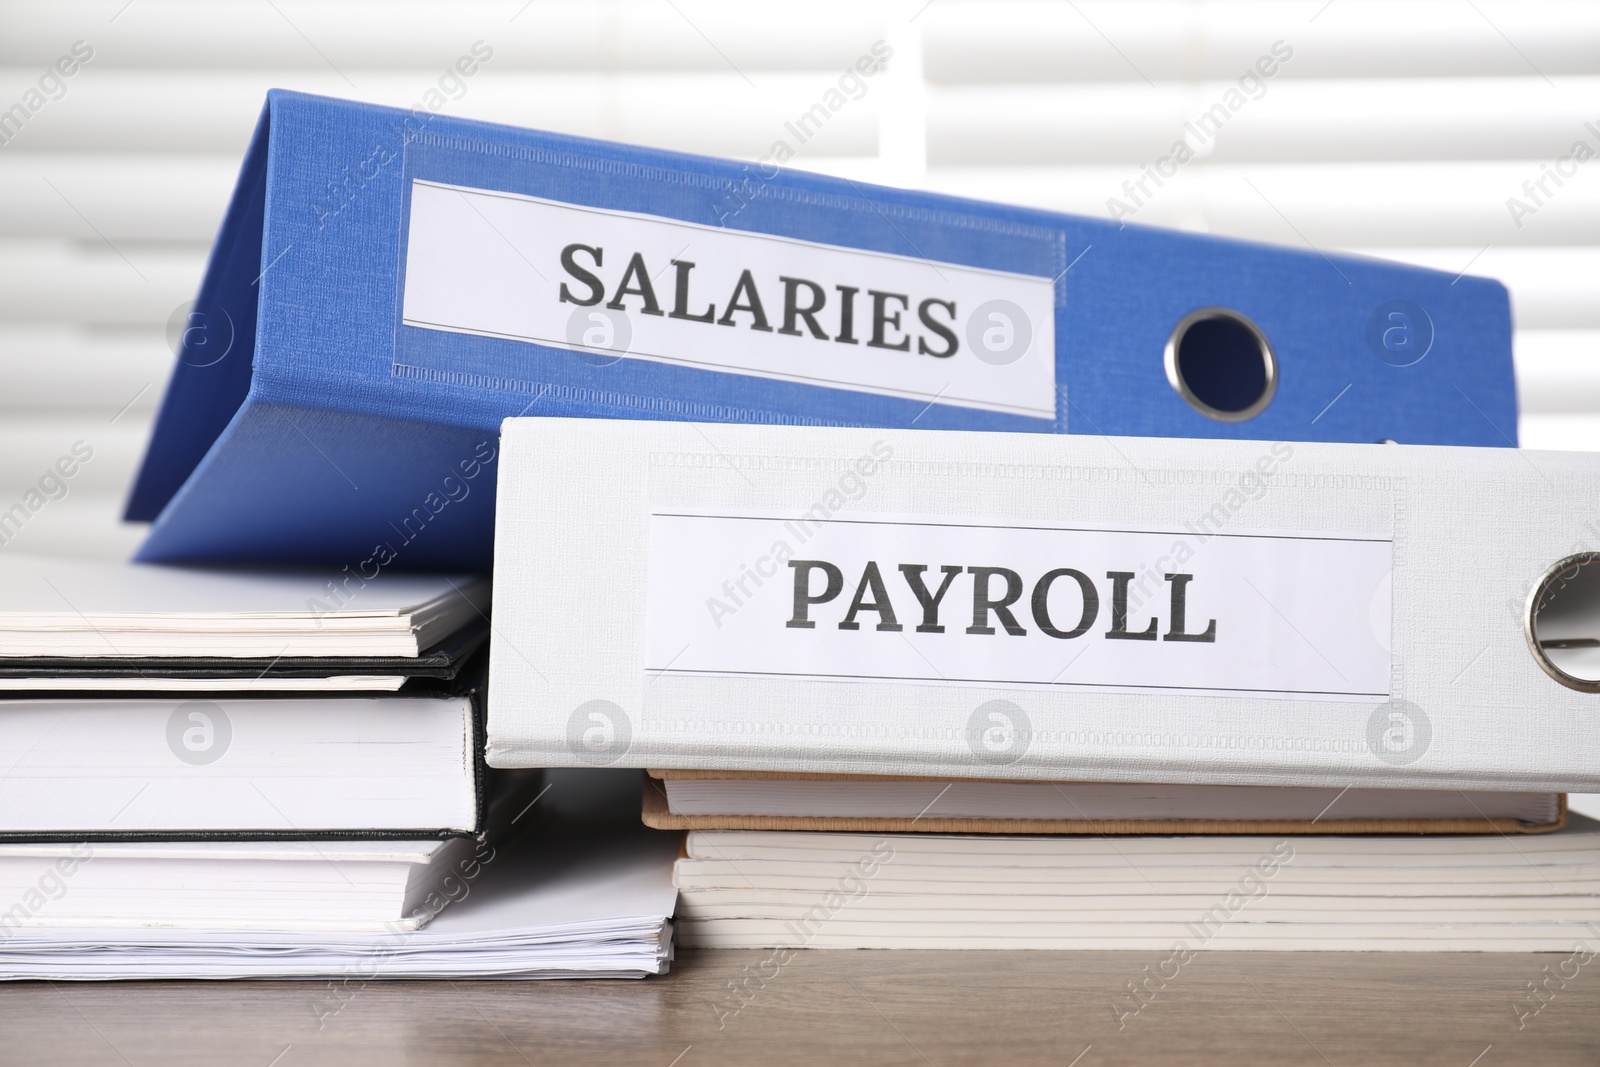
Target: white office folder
{"type": "Point", "coordinates": [861, 601]}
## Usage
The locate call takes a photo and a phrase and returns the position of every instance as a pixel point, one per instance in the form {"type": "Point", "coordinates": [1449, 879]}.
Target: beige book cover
{"type": "Point", "coordinates": [657, 814]}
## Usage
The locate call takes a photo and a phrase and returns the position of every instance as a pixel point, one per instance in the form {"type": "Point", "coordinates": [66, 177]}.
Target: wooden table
{"type": "Point", "coordinates": [913, 1008]}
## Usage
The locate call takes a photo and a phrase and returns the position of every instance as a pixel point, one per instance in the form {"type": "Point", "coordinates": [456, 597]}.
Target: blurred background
{"type": "Point", "coordinates": [1411, 130]}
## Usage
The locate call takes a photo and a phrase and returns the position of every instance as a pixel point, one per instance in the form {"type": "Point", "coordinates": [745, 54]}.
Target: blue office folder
{"type": "Point", "coordinates": [388, 285]}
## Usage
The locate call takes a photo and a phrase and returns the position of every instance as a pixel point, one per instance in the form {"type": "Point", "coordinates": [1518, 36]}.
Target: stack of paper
{"type": "Point", "coordinates": [742, 889]}
{"type": "Point", "coordinates": [551, 888]}
{"type": "Point", "coordinates": [579, 893]}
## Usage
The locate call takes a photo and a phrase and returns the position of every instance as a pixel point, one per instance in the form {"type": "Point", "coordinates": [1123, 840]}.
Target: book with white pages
{"type": "Point", "coordinates": [58, 613]}
{"type": "Point", "coordinates": [771, 800]}
{"type": "Point", "coordinates": [1167, 894]}
{"type": "Point", "coordinates": [108, 767]}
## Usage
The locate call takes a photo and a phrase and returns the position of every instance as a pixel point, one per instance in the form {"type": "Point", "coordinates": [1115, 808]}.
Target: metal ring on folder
{"type": "Point", "coordinates": [1530, 624]}
{"type": "Point", "coordinates": [1269, 364]}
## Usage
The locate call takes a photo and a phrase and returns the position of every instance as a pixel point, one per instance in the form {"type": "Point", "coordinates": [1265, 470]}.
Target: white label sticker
{"type": "Point", "coordinates": [612, 285]}
{"type": "Point", "coordinates": [958, 602]}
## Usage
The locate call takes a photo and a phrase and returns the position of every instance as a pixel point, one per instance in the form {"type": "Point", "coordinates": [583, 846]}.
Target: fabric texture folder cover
{"type": "Point", "coordinates": [1066, 608]}
{"type": "Point", "coordinates": [388, 285]}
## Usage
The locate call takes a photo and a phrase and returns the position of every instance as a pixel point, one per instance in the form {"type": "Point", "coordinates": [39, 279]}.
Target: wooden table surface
{"type": "Point", "coordinates": [918, 1008]}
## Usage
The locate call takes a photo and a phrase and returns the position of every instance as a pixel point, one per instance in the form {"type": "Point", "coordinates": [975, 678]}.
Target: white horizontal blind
{"type": "Point", "coordinates": [111, 191]}
{"type": "Point", "coordinates": [1395, 128]}
{"type": "Point", "coordinates": [1391, 129]}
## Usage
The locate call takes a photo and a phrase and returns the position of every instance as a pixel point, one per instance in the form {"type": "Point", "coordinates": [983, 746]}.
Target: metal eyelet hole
{"type": "Point", "coordinates": [1222, 364]}
{"type": "Point", "coordinates": [1563, 622]}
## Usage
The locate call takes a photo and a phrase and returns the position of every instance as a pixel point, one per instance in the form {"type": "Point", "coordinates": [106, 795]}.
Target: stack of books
{"type": "Point", "coordinates": [217, 773]}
